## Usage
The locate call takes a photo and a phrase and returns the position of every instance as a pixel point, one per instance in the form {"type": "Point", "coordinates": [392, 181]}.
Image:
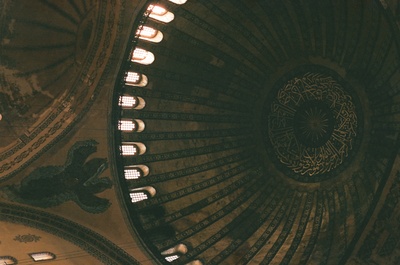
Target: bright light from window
{"type": "Point", "coordinates": [133, 77]}
{"type": "Point", "coordinates": [178, 2]}
{"type": "Point", "coordinates": [126, 126]}
{"type": "Point", "coordinates": [40, 256]}
{"type": "Point", "coordinates": [142, 56]}
{"type": "Point", "coordinates": [147, 32]}
{"type": "Point", "coordinates": [127, 101]}
{"type": "Point", "coordinates": [132, 173]}
{"type": "Point", "coordinates": [150, 34]}
{"type": "Point", "coordinates": [136, 79]}
{"type": "Point", "coordinates": [157, 10]}
{"type": "Point", "coordinates": [138, 196]}
{"type": "Point", "coordinates": [129, 150]}
{"type": "Point", "coordinates": [139, 54]}
{"type": "Point", "coordinates": [171, 258]}
{"type": "Point", "coordinates": [161, 14]}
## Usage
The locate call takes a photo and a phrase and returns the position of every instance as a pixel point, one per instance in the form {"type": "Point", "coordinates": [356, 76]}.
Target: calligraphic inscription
{"type": "Point", "coordinates": [312, 124]}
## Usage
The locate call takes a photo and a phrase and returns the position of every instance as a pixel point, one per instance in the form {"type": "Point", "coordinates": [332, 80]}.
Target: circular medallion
{"type": "Point", "coordinates": [313, 124]}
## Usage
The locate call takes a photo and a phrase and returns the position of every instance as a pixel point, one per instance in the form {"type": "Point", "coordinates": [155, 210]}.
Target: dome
{"type": "Point", "coordinates": [200, 132]}
{"type": "Point", "coordinates": [269, 129]}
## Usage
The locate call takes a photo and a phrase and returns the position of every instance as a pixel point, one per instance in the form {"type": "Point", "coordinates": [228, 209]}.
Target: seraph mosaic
{"type": "Point", "coordinates": [78, 180]}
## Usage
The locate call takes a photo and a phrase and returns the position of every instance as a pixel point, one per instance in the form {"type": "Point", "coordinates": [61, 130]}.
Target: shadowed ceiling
{"type": "Point", "coordinates": [268, 132]}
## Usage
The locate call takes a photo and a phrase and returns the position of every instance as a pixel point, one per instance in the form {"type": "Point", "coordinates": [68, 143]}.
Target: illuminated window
{"type": "Point", "coordinates": [133, 173]}
{"type": "Point", "coordinates": [129, 150]}
{"type": "Point", "coordinates": [142, 56]}
{"type": "Point", "coordinates": [131, 125]}
{"type": "Point", "coordinates": [132, 102]}
{"type": "Point", "coordinates": [42, 256]}
{"type": "Point", "coordinates": [133, 78]}
{"type": "Point", "coordinates": [132, 149]}
{"type": "Point", "coordinates": [128, 101]}
{"type": "Point", "coordinates": [172, 258]}
{"type": "Point", "coordinates": [141, 194]}
{"type": "Point", "coordinates": [149, 34]}
{"type": "Point", "coordinates": [174, 253]}
{"type": "Point", "coordinates": [161, 14]}
{"type": "Point", "coordinates": [8, 260]}
{"type": "Point", "coordinates": [136, 171]}
{"type": "Point", "coordinates": [136, 79]}
{"type": "Point", "coordinates": [157, 10]}
{"type": "Point", "coordinates": [127, 125]}
{"type": "Point", "coordinates": [178, 2]}
{"type": "Point", "coordinates": [138, 196]}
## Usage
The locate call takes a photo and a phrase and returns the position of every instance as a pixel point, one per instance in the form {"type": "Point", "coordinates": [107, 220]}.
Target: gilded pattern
{"type": "Point", "coordinates": [322, 103]}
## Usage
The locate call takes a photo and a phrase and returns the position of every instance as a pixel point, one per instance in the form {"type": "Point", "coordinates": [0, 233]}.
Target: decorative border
{"type": "Point", "coordinates": [90, 241]}
{"type": "Point", "coordinates": [360, 119]}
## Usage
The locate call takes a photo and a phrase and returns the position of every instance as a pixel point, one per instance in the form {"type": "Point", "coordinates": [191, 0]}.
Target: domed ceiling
{"type": "Point", "coordinates": [237, 132]}
{"type": "Point", "coordinates": [265, 130]}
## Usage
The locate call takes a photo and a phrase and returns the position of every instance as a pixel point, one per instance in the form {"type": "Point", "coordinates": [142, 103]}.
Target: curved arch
{"type": "Point", "coordinates": [8, 260]}
{"type": "Point", "coordinates": [159, 13]}
{"type": "Point", "coordinates": [88, 240]}
{"type": "Point", "coordinates": [136, 79]}
{"type": "Point", "coordinates": [142, 56]}
{"type": "Point", "coordinates": [149, 34]}
{"type": "Point", "coordinates": [141, 194]}
{"type": "Point", "coordinates": [178, 2]}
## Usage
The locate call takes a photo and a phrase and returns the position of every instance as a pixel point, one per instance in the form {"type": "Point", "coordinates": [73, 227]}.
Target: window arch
{"type": "Point", "coordinates": [129, 125]}
{"type": "Point", "coordinates": [160, 13]}
{"type": "Point", "coordinates": [149, 34]}
{"type": "Point", "coordinates": [42, 256]}
{"type": "Point", "coordinates": [136, 171]}
{"type": "Point", "coordinates": [142, 56]}
{"type": "Point", "coordinates": [132, 102]}
{"type": "Point", "coordinates": [174, 253]}
{"type": "Point", "coordinates": [132, 149]}
{"type": "Point", "coordinates": [128, 101]}
{"type": "Point", "coordinates": [8, 260]}
{"type": "Point", "coordinates": [178, 2]}
{"type": "Point", "coordinates": [136, 79]}
{"type": "Point", "coordinates": [141, 194]}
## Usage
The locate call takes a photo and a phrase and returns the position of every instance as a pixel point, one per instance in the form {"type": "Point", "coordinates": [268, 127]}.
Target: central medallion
{"type": "Point", "coordinates": [312, 124]}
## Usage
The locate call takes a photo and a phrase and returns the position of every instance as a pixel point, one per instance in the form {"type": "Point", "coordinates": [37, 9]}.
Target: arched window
{"type": "Point", "coordinates": [136, 171]}
{"type": "Point", "coordinates": [159, 13]}
{"type": "Point", "coordinates": [132, 102]}
{"type": "Point", "coordinates": [141, 194]}
{"type": "Point", "coordinates": [142, 56]}
{"type": "Point", "coordinates": [136, 79]}
{"type": "Point", "coordinates": [131, 125]}
{"type": "Point", "coordinates": [127, 125]}
{"type": "Point", "coordinates": [174, 253]}
{"type": "Point", "coordinates": [132, 149]}
{"type": "Point", "coordinates": [149, 34]}
{"type": "Point", "coordinates": [178, 2]}
{"type": "Point", "coordinates": [128, 101]}
{"type": "Point", "coordinates": [8, 260]}
{"type": "Point", "coordinates": [42, 256]}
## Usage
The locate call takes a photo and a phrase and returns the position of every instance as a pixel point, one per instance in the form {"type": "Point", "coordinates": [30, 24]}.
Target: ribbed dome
{"type": "Point", "coordinates": [267, 129]}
